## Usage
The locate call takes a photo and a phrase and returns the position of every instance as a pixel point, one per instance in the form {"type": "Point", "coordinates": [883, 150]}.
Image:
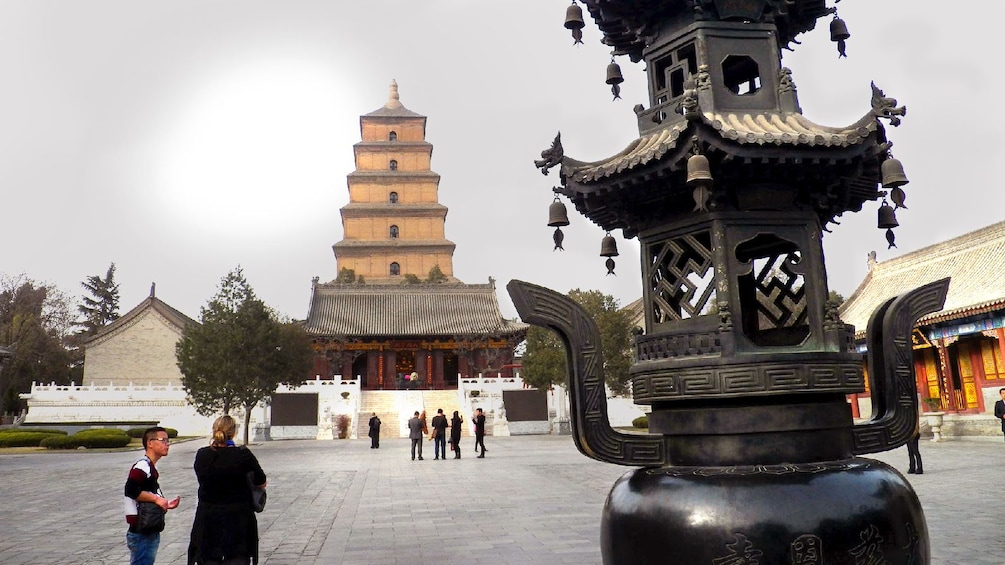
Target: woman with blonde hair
{"type": "Point", "coordinates": [225, 530]}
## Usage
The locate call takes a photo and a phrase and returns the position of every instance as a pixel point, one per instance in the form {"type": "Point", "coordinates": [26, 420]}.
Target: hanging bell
{"type": "Point", "coordinates": [614, 73]}
{"type": "Point", "coordinates": [893, 173]}
{"type": "Point", "coordinates": [574, 22]}
{"type": "Point", "coordinates": [608, 246]}
{"type": "Point", "coordinates": [839, 33]}
{"type": "Point", "coordinates": [887, 216]}
{"type": "Point", "coordinates": [557, 215]}
{"type": "Point", "coordinates": [839, 30]}
{"type": "Point", "coordinates": [614, 79]}
{"type": "Point", "coordinates": [698, 170]}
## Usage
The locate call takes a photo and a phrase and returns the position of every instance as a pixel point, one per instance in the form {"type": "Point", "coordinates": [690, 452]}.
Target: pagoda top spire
{"type": "Point", "coordinates": [393, 108]}
{"type": "Point", "coordinates": [393, 100]}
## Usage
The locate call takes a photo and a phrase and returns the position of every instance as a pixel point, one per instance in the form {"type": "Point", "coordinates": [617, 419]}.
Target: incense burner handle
{"type": "Point", "coordinates": [894, 417]}
{"type": "Point", "coordinates": [591, 428]}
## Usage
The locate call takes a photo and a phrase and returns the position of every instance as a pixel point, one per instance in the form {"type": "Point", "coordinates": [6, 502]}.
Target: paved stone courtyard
{"type": "Point", "coordinates": [533, 499]}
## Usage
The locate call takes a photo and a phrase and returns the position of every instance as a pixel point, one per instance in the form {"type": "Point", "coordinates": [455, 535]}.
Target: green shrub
{"type": "Point", "coordinates": [60, 442]}
{"type": "Point", "coordinates": [31, 428]}
{"type": "Point", "coordinates": [26, 439]}
{"type": "Point", "coordinates": [102, 437]}
{"type": "Point", "coordinates": [138, 432]}
{"type": "Point", "coordinates": [641, 422]}
{"type": "Point", "coordinates": [101, 432]}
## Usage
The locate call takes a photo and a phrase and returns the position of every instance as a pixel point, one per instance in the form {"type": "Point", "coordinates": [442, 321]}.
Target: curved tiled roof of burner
{"type": "Point", "coordinates": [789, 129]}
{"type": "Point", "coordinates": [626, 24]}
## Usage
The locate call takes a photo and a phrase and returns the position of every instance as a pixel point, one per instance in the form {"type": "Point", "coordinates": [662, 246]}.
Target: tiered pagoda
{"type": "Point", "coordinates": [396, 309]}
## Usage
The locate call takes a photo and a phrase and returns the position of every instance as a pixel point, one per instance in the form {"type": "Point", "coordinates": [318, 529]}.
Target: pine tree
{"type": "Point", "coordinates": [102, 306]}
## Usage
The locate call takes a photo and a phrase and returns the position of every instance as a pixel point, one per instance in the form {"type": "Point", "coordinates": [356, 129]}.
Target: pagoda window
{"type": "Point", "coordinates": [772, 292]}
{"type": "Point", "coordinates": [394, 232]}
{"type": "Point", "coordinates": [741, 75]}
{"type": "Point", "coordinates": [672, 71]}
{"type": "Point", "coordinates": [392, 198]}
{"type": "Point", "coordinates": [393, 136]}
{"type": "Point", "coordinates": [394, 165]}
{"type": "Point", "coordinates": [395, 269]}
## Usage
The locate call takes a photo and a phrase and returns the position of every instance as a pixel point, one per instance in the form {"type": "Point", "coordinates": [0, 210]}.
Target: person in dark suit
{"type": "Point", "coordinates": [439, 425]}
{"type": "Point", "coordinates": [455, 434]}
{"type": "Point", "coordinates": [479, 421]}
{"type": "Point", "coordinates": [914, 454]}
{"type": "Point", "coordinates": [415, 434]}
{"type": "Point", "coordinates": [1000, 409]}
{"type": "Point", "coordinates": [374, 431]}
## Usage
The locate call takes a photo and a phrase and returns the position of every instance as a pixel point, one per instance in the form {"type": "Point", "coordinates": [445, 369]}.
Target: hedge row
{"type": "Point", "coordinates": [92, 438]}
{"type": "Point", "coordinates": [18, 438]}
{"type": "Point", "coordinates": [138, 432]}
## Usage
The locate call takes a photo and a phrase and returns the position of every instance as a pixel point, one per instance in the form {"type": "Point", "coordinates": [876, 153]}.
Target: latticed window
{"type": "Point", "coordinates": [682, 278]}
{"type": "Point", "coordinates": [772, 292]}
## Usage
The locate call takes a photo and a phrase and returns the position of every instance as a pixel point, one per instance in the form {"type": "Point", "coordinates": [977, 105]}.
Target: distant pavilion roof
{"type": "Point", "coordinates": [975, 261]}
{"type": "Point", "coordinates": [374, 310]}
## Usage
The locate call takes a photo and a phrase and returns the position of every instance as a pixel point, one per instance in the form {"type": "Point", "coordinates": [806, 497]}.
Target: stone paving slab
{"type": "Point", "coordinates": [533, 499]}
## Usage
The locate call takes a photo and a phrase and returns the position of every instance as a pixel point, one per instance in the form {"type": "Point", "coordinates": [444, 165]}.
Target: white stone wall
{"type": "Point", "coordinates": [141, 353]}
{"type": "Point", "coordinates": [110, 403]}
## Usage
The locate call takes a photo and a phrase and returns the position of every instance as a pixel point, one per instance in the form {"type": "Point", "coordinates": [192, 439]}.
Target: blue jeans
{"type": "Point", "coordinates": [440, 446]}
{"type": "Point", "coordinates": [142, 548]}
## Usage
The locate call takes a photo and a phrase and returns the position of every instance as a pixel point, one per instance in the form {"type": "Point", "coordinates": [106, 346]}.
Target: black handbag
{"type": "Point", "coordinates": [149, 518]}
{"type": "Point", "coordinates": [258, 494]}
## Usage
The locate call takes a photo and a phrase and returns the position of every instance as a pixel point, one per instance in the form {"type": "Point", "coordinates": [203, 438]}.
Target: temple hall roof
{"type": "Point", "coordinates": [446, 310]}
{"type": "Point", "coordinates": [975, 261]}
{"type": "Point", "coordinates": [173, 316]}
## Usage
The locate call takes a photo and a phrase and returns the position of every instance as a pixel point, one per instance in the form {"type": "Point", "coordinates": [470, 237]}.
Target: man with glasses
{"type": "Point", "coordinates": [142, 486]}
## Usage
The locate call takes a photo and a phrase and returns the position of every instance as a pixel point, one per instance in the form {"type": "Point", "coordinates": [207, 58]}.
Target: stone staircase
{"type": "Point", "coordinates": [395, 407]}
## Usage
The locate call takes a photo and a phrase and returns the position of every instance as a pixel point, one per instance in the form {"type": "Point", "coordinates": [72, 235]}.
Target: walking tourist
{"type": "Point", "coordinates": [143, 489]}
{"type": "Point", "coordinates": [479, 420]}
{"type": "Point", "coordinates": [374, 431]}
{"type": "Point", "coordinates": [415, 434]}
{"type": "Point", "coordinates": [915, 467]}
{"type": "Point", "coordinates": [225, 529]}
{"type": "Point", "coordinates": [439, 424]}
{"type": "Point", "coordinates": [1000, 409]}
{"type": "Point", "coordinates": [455, 434]}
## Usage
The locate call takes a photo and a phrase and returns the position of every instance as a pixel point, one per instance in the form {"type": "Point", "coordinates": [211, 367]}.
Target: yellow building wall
{"type": "Point", "coordinates": [375, 229]}
{"type": "Point", "coordinates": [413, 130]}
{"type": "Point", "coordinates": [378, 265]}
{"type": "Point", "coordinates": [368, 160]}
{"type": "Point", "coordinates": [411, 193]}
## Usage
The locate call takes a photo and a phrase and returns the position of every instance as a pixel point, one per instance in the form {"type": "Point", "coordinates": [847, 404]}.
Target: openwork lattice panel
{"type": "Point", "coordinates": [781, 294]}
{"type": "Point", "coordinates": [682, 278]}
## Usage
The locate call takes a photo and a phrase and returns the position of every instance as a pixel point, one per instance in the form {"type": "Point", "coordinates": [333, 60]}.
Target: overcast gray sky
{"type": "Point", "coordinates": [181, 138]}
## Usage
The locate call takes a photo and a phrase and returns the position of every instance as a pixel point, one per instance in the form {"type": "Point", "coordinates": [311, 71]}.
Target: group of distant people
{"type": "Point", "coordinates": [419, 429]}
{"type": "Point", "coordinates": [225, 529]}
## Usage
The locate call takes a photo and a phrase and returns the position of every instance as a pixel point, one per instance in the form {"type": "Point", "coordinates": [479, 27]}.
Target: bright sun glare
{"type": "Point", "coordinates": [250, 150]}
